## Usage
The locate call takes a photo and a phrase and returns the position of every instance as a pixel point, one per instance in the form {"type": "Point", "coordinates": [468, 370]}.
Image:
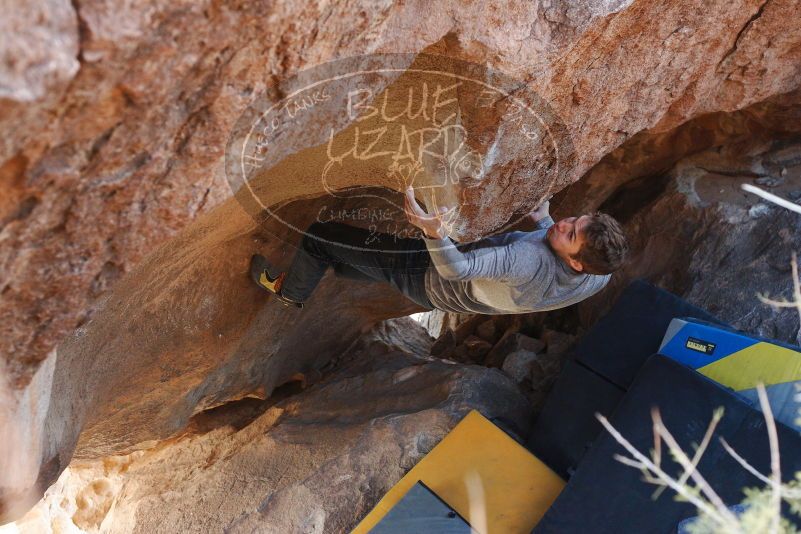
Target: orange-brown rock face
{"type": "Point", "coordinates": [124, 306]}
{"type": "Point", "coordinates": [316, 461]}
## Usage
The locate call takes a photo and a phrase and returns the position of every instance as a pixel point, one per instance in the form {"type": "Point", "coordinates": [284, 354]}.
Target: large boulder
{"type": "Point", "coordinates": [132, 151]}
{"type": "Point", "coordinates": [316, 461]}
{"type": "Point", "coordinates": [186, 331]}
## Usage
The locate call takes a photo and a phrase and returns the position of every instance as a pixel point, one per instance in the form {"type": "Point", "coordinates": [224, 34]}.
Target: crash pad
{"type": "Point", "coordinates": [509, 486]}
{"type": "Point", "coordinates": [421, 511]}
{"type": "Point", "coordinates": [738, 361]}
{"type": "Point", "coordinates": [618, 344]}
{"type": "Point", "coordinates": [606, 496]}
{"type": "Point", "coordinates": [567, 427]}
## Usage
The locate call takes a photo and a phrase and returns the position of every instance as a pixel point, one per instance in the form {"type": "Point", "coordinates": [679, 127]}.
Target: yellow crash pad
{"type": "Point", "coordinates": [762, 362]}
{"type": "Point", "coordinates": [514, 487]}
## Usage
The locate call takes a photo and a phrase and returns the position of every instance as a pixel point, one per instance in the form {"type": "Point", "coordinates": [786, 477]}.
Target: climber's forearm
{"type": "Point", "coordinates": [450, 262]}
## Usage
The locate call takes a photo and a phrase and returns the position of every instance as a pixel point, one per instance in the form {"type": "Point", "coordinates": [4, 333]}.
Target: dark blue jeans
{"type": "Point", "coordinates": [358, 254]}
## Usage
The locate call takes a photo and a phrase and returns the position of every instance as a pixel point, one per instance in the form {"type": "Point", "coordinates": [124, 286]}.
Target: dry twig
{"type": "Point", "coordinates": [723, 517]}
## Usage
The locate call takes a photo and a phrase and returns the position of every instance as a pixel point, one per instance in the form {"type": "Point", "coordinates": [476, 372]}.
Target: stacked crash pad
{"type": "Point", "coordinates": [478, 479]}
{"type": "Point", "coordinates": [480, 473]}
{"type": "Point", "coordinates": [739, 362]}
{"type": "Point", "coordinates": [615, 363]}
{"type": "Point", "coordinates": [606, 361]}
{"type": "Point", "coordinates": [612, 497]}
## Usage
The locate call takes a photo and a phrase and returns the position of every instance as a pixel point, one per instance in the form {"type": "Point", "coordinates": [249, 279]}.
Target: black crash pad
{"type": "Point", "coordinates": [606, 496]}
{"type": "Point", "coordinates": [567, 426]}
{"type": "Point", "coordinates": [620, 342]}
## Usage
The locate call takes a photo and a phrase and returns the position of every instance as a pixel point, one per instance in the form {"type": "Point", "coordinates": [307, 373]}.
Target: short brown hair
{"type": "Point", "coordinates": [605, 245]}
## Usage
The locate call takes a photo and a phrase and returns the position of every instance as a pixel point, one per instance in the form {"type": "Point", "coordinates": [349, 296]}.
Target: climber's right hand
{"type": "Point", "coordinates": [542, 211]}
{"type": "Point", "coordinates": [431, 225]}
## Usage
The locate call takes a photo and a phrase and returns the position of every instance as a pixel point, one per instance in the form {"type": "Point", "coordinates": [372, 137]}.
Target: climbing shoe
{"type": "Point", "coordinates": [260, 274]}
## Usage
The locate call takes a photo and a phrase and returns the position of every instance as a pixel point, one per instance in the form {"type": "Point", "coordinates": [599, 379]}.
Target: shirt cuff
{"type": "Point", "coordinates": [437, 243]}
{"type": "Point", "coordinates": [544, 223]}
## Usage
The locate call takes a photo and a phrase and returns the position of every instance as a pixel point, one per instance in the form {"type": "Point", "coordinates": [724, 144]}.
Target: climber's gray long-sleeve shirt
{"type": "Point", "coordinates": [516, 272]}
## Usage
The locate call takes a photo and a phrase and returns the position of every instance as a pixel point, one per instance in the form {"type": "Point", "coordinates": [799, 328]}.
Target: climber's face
{"type": "Point", "coordinates": [567, 237]}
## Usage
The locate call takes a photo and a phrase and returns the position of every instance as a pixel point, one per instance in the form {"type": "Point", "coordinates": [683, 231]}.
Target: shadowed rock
{"type": "Point", "coordinates": [317, 461]}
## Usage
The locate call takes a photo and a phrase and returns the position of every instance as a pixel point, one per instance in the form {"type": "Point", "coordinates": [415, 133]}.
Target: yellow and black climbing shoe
{"type": "Point", "coordinates": [260, 274]}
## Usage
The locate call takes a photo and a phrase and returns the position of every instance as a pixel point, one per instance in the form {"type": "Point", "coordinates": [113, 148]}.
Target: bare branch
{"type": "Point", "coordinates": [796, 285]}
{"type": "Point", "coordinates": [776, 303]}
{"type": "Point", "coordinates": [682, 458]}
{"type": "Point", "coordinates": [743, 462]}
{"type": "Point", "coordinates": [770, 197]}
{"type": "Point", "coordinates": [775, 467]}
{"type": "Point", "coordinates": [625, 460]}
{"type": "Point", "coordinates": [699, 452]}
{"type": "Point", "coordinates": [657, 448]}
{"type": "Point", "coordinates": [726, 521]}
{"type": "Point", "coordinates": [716, 416]}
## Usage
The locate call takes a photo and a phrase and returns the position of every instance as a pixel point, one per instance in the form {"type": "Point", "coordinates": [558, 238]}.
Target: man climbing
{"type": "Point", "coordinates": [517, 272]}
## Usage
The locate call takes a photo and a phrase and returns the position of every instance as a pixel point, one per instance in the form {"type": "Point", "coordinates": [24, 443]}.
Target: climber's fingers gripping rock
{"type": "Point", "coordinates": [431, 224]}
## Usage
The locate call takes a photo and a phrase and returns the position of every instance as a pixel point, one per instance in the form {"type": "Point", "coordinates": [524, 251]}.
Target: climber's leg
{"type": "Point", "coordinates": [357, 253]}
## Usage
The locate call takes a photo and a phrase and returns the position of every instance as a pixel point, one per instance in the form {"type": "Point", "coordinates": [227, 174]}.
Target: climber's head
{"type": "Point", "coordinates": [593, 244]}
